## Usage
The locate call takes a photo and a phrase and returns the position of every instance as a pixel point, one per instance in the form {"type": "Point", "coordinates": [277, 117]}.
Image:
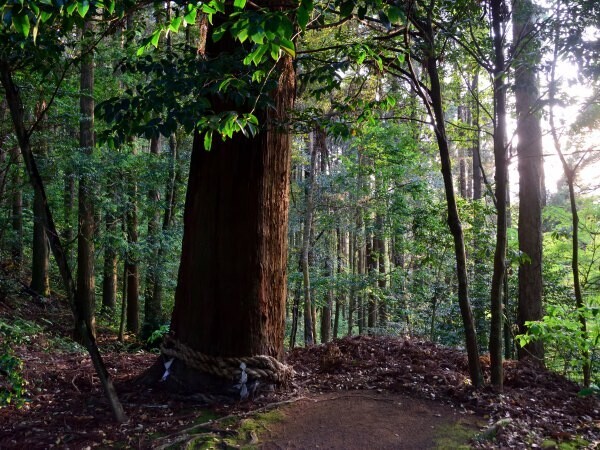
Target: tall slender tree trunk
{"type": "Point", "coordinates": [353, 260]}
{"type": "Point", "coordinates": [131, 262]}
{"type": "Point", "coordinates": [16, 243]}
{"type": "Point", "coordinates": [86, 233]}
{"type": "Point", "coordinates": [309, 337]}
{"type": "Point", "coordinates": [500, 159]}
{"type": "Point", "coordinates": [69, 208]}
{"type": "Point", "coordinates": [476, 145]}
{"type": "Point", "coordinates": [109, 280]}
{"type": "Point", "coordinates": [40, 261]}
{"type": "Point", "coordinates": [379, 243]}
{"type": "Point", "coordinates": [529, 150]}
{"type": "Point", "coordinates": [168, 219]}
{"type": "Point", "coordinates": [570, 175]}
{"type": "Point", "coordinates": [453, 217]}
{"type": "Point", "coordinates": [372, 275]}
{"type": "Point", "coordinates": [153, 304]}
{"type": "Point", "coordinates": [579, 303]}
{"type": "Point", "coordinates": [84, 328]}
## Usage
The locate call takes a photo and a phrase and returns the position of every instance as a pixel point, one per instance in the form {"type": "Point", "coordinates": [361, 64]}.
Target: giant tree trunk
{"type": "Point", "coordinates": [85, 238]}
{"type": "Point", "coordinates": [529, 150]}
{"type": "Point", "coordinates": [231, 291]}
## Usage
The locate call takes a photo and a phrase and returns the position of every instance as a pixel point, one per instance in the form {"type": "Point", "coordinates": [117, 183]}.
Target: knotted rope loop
{"type": "Point", "coordinates": [261, 367]}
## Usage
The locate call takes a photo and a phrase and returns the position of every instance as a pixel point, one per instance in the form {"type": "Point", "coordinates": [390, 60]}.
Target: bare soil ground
{"type": "Point", "coordinates": [359, 392]}
{"type": "Point", "coordinates": [369, 420]}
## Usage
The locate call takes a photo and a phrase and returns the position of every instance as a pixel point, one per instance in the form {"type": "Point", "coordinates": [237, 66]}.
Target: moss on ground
{"type": "Point", "coordinates": [456, 436]}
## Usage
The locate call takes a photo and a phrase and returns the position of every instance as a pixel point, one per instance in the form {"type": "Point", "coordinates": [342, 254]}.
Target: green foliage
{"type": "Point", "coordinates": [13, 386]}
{"type": "Point", "coordinates": [560, 330]}
{"type": "Point", "coordinates": [157, 335]}
{"type": "Point", "coordinates": [592, 390]}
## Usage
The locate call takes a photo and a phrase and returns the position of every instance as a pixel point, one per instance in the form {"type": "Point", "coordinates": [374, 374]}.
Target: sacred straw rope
{"type": "Point", "coordinates": [259, 366]}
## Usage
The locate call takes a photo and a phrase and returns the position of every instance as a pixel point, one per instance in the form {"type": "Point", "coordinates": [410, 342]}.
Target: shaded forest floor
{"type": "Point", "coordinates": [421, 387]}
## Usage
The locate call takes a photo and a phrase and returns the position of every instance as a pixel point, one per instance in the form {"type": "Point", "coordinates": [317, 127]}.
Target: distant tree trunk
{"type": "Point", "coordinates": [476, 147]}
{"type": "Point", "coordinates": [570, 172]}
{"type": "Point", "coordinates": [131, 262]}
{"type": "Point", "coordinates": [329, 295]}
{"type": "Point", "coordinates": [153, 304]}
{"type": "Point", "coordinates": [309, 337]}
{"type": "Point", "coordinates": [379, 242]}
{"type": "Point", "coordinates": [170, 197]}
{"type": "Point", "coordinates": [295, 313]}
{"type": "Point", "coordinates": [372, 275]}
{"type": "Point", "coordinates": [353, 259]}
{"type": "Point", "coordinates": [579, 303]}
{"type": "Point", "coordinates": [529, 150]}
{"type": "Point", "coordinates": [109, 280]}
{"type": "Point", "coordinates": [167, 223]}
{"type": "Point", "coordinates": [123, 315]}
{"type": "Point", "coordinates": [86, 233]}
{"type": "Point", "coordinates": [500, 159]}
{"type": "Point", "coordinates": [16, 243]}
{"type": "Point", "coordinates": [341, 298]}
{"type": "Point", "coordinates": [40, 260]}
{"type": "Point", "coordinates": [453, 217]}
{"type": "Point", "coordinates": [69, 207]}
{"type": "Point", "coordinates": [360, 271]}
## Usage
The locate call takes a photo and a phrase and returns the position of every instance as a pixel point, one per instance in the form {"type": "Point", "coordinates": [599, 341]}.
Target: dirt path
{"type": "Point", "coordinates": [368, 420]}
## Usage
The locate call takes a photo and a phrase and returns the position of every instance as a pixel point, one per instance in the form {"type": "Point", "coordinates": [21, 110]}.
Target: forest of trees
{"type": "Point", "coordinates": [255, 176]}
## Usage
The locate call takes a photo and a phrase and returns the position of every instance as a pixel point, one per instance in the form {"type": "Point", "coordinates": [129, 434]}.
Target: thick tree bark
{"type": "Point", "coordinates": [85, 237]}
{"type": "Point", "coordinates": [500, 159]}
{"type": "Point", "coordinates": [529, 150]}
{"type": "Point", "coordinates": [231, 291]}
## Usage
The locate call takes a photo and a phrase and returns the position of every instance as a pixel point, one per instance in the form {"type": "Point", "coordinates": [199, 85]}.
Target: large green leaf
{"type": "Point", "coordinates": [21, 24]}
